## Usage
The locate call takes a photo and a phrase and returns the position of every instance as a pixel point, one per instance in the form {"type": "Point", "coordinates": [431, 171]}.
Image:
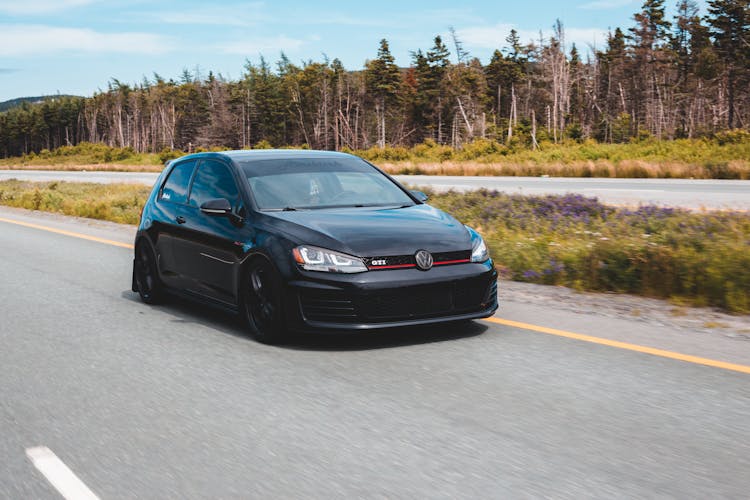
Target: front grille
{"type": "Point", "coordinates": [390, 261]}
{"type": "Point", "coordinates": [416, 302]}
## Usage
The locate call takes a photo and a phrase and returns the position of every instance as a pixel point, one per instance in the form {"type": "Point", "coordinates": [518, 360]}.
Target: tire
{"type": "Point", "coordinates": [146, 274]}
{"type": "Point", "coordinates": [261, 304]}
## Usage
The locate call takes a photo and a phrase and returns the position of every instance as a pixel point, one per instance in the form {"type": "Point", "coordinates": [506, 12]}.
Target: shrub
{"type": "Point", "coordinates": [736, 136]}
{"type": "Point", "coordinates": [576, 241]}
{"type": "Point", "coordinates": [167, 154]}
{"type": "Point", "coordinates": [480, 148]}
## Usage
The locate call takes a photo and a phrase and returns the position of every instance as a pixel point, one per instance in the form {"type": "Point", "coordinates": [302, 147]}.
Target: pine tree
{"type": "Point", "coordinates": [515, 51]}
{"type": "Point", "coordinates": [438, 63]}
{"type": "Point", "coordinates": [383, 80]}
{"type": "Point", "coordinates": [503, 76]}
{"type": "Point", "coordinates": [612, 73]}
{"type": "Point", "coordinates": [730, 27]}
{"type": "Point", "coordinates": [650, 62]}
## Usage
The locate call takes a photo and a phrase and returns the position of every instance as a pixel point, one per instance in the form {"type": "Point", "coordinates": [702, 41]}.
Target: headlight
{"type": "Point", "coordinates": [320, 259]}
{"type": "Point", "coordinates": [479, 251]}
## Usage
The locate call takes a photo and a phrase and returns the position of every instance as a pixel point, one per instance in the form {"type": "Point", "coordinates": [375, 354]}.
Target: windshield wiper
{"type": "Point", "coordinates": [285, 209]}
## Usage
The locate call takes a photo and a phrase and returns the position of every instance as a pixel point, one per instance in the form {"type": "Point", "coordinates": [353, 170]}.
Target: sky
{"type": "Point", "coordinates": [78, 46]}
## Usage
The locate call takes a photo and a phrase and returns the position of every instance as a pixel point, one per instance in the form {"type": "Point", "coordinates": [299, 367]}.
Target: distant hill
{"type": "Point", "coordinates": [6, 105]}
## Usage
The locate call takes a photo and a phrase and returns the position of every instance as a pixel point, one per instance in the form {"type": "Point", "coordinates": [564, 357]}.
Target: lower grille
{"type": "Point", "coordinates": [491, 293]}
{"type": "Point", "coordinates": [328, 306]}
{"type": "Point", "coordinates": [410, 303]}
{"type": "Point", "coordinates": [447, 299]}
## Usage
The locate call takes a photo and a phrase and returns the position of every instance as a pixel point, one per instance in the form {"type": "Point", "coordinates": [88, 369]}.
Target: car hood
{"type": "Point", "coordinates": [380, 231]}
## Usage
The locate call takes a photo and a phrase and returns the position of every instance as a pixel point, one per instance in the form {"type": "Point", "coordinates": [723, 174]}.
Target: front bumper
{"type": "Point", "coordinates": [391, 298]}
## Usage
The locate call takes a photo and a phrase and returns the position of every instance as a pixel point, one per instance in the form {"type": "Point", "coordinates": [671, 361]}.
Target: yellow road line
{"type": "Point", "coordinates": [68, 233]}
{"type": "Point", "coordinates": [623, 345]}
{"type": "Point", "coordinates": [516, 324]}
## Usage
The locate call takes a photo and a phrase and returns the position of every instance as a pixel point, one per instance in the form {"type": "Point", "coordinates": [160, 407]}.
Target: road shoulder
{"type": "Point", "coordinates": [696, 331]}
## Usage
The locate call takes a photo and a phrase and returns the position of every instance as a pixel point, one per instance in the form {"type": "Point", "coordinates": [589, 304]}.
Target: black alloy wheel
{"type": "Point", "coordinates": [261, 302]}
{"type": "Point", "coordinates": [146, 274]}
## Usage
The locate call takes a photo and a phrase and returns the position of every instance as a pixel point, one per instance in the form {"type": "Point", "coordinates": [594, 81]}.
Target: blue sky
{"type": "Point", "coordinates": [76, 46]}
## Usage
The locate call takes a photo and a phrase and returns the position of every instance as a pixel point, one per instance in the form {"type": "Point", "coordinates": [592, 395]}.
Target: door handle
{"type": "Point", "coordinates": [180, 219]}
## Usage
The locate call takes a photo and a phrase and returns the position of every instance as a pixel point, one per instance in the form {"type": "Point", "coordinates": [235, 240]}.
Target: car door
{"type": "Point", "coordinates": [171, 211]}
{"type": "Point", "coordinates": [210, 247]}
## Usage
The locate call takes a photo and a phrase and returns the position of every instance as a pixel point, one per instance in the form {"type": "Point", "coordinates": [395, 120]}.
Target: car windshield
{"type": "Point", "coordinates": [310, 183]}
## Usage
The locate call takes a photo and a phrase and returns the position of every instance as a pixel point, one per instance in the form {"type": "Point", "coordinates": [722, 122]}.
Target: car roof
{"type": "Point", "coordinates": [268, 154]}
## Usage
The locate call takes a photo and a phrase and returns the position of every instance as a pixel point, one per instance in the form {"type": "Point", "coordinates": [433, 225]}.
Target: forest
{"type": "Point", "coordinates": [663, 77]}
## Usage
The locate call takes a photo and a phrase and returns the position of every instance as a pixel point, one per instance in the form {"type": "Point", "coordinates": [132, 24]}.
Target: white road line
{"type": "Point", "coordinates": [59, 475]}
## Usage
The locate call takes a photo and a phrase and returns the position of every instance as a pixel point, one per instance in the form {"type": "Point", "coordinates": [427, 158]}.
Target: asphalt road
{"type": "Point", "coordinates": [176, 401]}
{"type": "Point", "coordinates": [688, 193]}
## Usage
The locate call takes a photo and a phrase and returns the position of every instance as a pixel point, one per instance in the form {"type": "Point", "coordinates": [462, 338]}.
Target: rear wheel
{"type": "Point", "coordinates": [261, 302]}
{"type": "Point", "coordinates": [146, 274]}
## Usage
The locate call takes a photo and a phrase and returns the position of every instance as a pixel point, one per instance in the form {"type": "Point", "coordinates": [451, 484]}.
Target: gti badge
{"type": "Point", "coordinates": [424, 259]}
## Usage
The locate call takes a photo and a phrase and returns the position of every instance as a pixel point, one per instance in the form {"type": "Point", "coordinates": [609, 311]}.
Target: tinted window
{"type": "Point", "coordinates": [176, 187]}
{"type": "Point", "coordinates": [320, 183]}
{"type": "Point", "coordinates": [212, 181]}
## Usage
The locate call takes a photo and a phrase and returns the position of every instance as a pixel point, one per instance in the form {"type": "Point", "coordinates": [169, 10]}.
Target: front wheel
{"type": "Point", "coordinates": [261, 304]}
{"type": "Point", "coordinates": [146, 274]}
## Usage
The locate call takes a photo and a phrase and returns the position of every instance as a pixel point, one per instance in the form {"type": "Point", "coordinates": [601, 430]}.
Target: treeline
{"type": "Point", "coordinates": [668, 78]}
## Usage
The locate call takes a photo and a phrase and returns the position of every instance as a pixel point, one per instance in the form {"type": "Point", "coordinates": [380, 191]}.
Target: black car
{"type": "Point", "coordinates": [307, 241]}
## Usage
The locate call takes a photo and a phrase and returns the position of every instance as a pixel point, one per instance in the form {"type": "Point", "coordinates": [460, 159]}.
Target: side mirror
{"type": "Point", "coordinates": [220, 206]}
{"type": "Point", "coordinates": [419, 195]}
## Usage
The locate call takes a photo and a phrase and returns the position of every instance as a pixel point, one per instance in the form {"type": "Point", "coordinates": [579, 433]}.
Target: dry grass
{"type": "Point", "coordinates": [91, 167]}
{"type": "Point", "coordinates": [723, 157]}
{"type": "Point", "coordinates": [739, 169]}
{"type": "Point", "coordinates": [715, 324]}
{"type": "Point", "coordinates": [113, 202]}
{"type": "Point", "coordinates": [678, 311]}
{"type": "Point", "coordinates": [735, 169]}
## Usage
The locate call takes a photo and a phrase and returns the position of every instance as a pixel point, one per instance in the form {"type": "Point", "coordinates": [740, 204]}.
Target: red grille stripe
{"type": "Point", "coordinates": [398, 266]}
{"type": "Point", "coordinates": [444, 262]}
{"type": "Point", "coordinates": [441, 263]}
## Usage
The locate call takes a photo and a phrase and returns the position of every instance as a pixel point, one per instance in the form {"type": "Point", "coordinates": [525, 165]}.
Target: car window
{"type": "Point", "coordinates": [213, 181]}
{"type": "Point", "coordinates": [309, 183]}
{"type": "Point", "coordinates": [176, 187]}
{"type": "Point", "coordinates": [352, 182]}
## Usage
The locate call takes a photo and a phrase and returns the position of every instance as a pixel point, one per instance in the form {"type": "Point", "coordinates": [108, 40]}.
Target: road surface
{"type": "Point", "coordinates": [687, 193]}
{"type": "Point", "coordinates": [175, 401]}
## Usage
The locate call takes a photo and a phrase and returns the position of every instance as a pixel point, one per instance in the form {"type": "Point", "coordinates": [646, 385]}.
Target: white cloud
{"type": "Point", "coordinates": [486, 37]}
{"type": "Point", "coordinates": [40, 6]}
{"type": "Point", "coordinates": [605, 4]}
{"type": "Point", "coordinates": [493, 37]}
{"type": "Point", "coordinates": [246, 14]}
{"type": "Point", "coordinates": [449, 16]}
{"type": "Point", "coordinates": [341, 20]}
{"type": "Point", "coordinates": [259, 45]}
{"type": "Point", "coordinates": [18, 40]}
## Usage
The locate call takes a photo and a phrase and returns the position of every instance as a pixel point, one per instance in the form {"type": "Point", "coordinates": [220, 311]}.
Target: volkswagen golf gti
{"type": "Point", "coordinates": [307, 241]}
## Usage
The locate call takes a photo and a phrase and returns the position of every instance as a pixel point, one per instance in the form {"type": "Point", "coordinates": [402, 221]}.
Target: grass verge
{"type": "Point", "coordinates": [700, 259]}
{"type": "Point", "coordinates": [113, 202]}
{"type": "Point", "coordinates": [726, 156]}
